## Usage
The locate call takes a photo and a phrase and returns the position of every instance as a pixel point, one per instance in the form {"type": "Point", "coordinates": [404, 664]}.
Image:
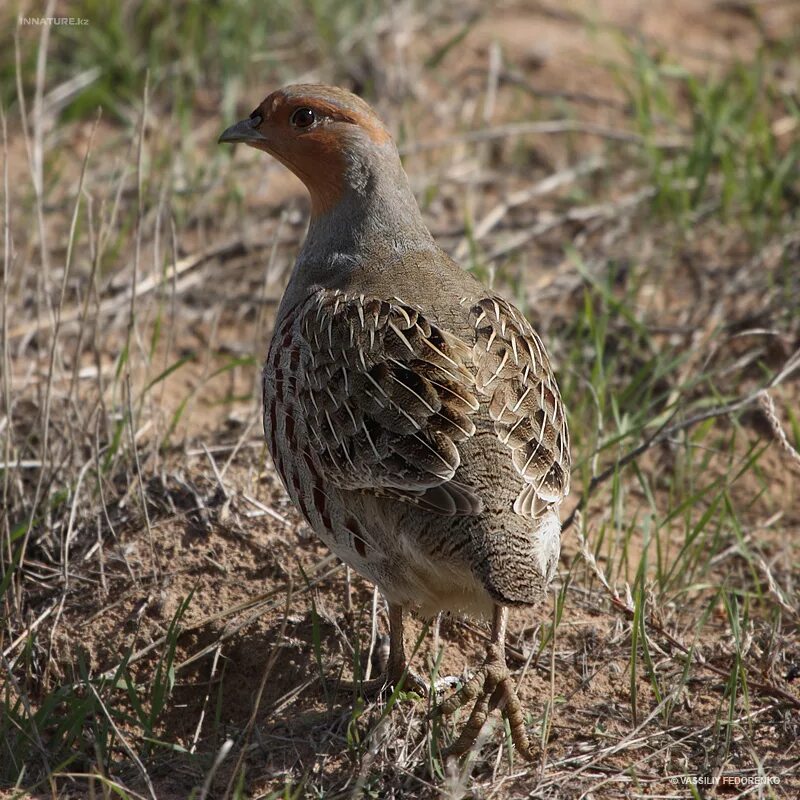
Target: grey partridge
{"type": "Point", "coordinates": [411, 413]}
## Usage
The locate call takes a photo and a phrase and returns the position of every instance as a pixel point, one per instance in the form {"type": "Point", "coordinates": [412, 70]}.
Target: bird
{"type": "Point", "coordinates": [412, 413]}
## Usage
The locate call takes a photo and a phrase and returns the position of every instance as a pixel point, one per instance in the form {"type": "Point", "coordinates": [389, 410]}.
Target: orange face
{"type": "Point", "coordinates": [310, 129]}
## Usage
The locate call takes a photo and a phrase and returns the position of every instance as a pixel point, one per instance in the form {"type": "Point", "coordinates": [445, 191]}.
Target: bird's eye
{"type": "Point", "coordinates": [256, 119]}
{"type": "Point", "coordinates": [302, 118]}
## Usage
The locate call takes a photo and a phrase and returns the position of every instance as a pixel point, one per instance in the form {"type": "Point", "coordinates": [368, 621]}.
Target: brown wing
{"type": "Point", "coordinates": [387, 396]}
{"type": "Point", "coordinates": [513, 372]}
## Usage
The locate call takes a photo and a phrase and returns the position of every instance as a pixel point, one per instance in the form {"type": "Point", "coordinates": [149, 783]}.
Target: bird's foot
{"type": "Point", "coordinates": [387, 681]}
{"type": "Point", "coordinates": [491, 687]}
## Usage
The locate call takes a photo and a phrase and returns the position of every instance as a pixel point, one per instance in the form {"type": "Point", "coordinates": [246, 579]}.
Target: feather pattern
{"type": "Point", "coordinates": [513, 372]}
{"type": "Point", "coordinates": [387, 396]}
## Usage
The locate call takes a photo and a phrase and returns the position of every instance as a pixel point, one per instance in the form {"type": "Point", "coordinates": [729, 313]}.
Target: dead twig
{"type": "Point", "coordinates": [552, 126]}
{"type": "Point", "coordinates": [768, 409]}
{"type": "Point", "coordinates": [627, 608]}
{"type": "Point", "coordinates": [228, 249]}
{"type": "Point", "coordinates": [667, 431]}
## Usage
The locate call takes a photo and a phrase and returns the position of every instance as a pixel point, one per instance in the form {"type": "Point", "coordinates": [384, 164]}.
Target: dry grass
{"type": "Point", "coordinates": [170, 628]}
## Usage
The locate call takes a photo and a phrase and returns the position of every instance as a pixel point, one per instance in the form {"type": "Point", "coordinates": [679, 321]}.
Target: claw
{"type": "Point", "coordinates": [491, 687]}
{"type": "Point", "coordinates": [470, 731]}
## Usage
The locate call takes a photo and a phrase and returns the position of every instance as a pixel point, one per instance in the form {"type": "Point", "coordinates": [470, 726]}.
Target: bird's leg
{"type": "Point", "coordinates": [491, 687]}
{"type": "Point", "coordinates": [396, 668]}
{"type": "Point", "coordinates": [397, 664]}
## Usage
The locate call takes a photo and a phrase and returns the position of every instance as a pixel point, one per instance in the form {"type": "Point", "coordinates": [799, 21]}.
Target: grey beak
{"type": "Point", "coordinates": [242, 131]}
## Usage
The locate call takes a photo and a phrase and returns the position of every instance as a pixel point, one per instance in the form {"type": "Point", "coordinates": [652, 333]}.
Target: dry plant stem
{"type": "Point", "coordinates": [128, 381]}
{"type": "Point", "coordinates": [124, 742]}
{"type": "Point", "coordinates": [521, 81]}
{"type": "Point", "coordinates": [630, 741]}
{"type": "Point", "coordinates": [634, 740]}
{"type": "Point", "coordinates": [548, 721]}
{"type": "Point", "coordinates": [29, 148]}
{"type": "Point", "coordinates": [37, 159]}
{"type": "Point", "coordinates": [273, 657]}
{"type": "Point", "coordinates": [609, 210]}
{"type": "Point", "coordinates": [549, 184]}
{"type": "Point", "coordinates": [373, 630]}
{"type": "Point", "coordinates": [240, 443]}
{"type": "Point", "coordinates": [775, 591]}
{"type": "Point", "coordinates": [621, 605]}
{"type": "Point", "coordinates": [169, 283]}
{"type": "Point", "coordinates": [173, 293]}
{"type": "Point", "coordinates": [217, 474]}
{"type": "Point", "coordinates": [52, 358]}
{"type": "Point", "coordinates": [317, 570]}
{"type": "Point", "coordinates": [222, 754]}
{"type": "Point", "coordinates": [554, 126]}
{"type": "Point", "coordinates": [98, 249]}
{"type": "Point", "coordinates": [269, 277]}
{"type": "Point", "coordinates": [666, 431]}
{"type": "Point", "coordinates": [768, 409]}
{"type": "Point", "coordinates": [6, 556]}
{"type": "Point", "coordinates": [265, 510]}
{"type": "Point", "coordinates": [27, 631]}
{"type": "Point", "coordinates": [33, 143]}
{"type": "Point", "coordinates": [106, 782]}
{"type": "Point", "coordinates": [111, 305]}
{"type": "Point", "coordinates": [348, 594]}
{"type": "Point", "coordinates": [78, 349]}
{"type": "Point", "coordinates": [68, 262]}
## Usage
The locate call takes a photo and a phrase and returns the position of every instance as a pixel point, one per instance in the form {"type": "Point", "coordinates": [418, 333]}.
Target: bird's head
{"type": "Point", "coordinates": [327, 136]}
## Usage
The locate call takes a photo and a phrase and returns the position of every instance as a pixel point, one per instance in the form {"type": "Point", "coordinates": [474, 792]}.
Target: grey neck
{"type": "Point", "coordinates": [377, 215]}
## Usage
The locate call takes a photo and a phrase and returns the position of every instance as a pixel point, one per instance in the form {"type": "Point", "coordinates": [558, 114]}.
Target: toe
{"type": "Point", "coordinates": [470, 691]}
{"type": "Point", "coordinates": [505, 698]}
